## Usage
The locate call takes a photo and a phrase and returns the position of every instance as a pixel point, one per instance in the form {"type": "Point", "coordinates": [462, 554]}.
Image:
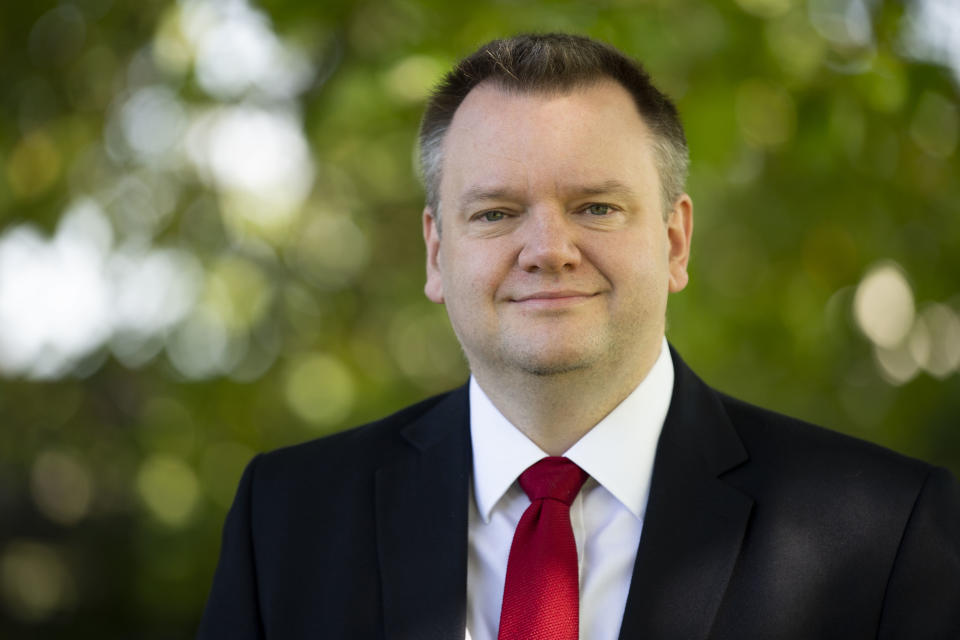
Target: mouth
{"type": "Point", "coordinates": [553, 295]}
{"type": "Point", "coordinates": [553, 299]}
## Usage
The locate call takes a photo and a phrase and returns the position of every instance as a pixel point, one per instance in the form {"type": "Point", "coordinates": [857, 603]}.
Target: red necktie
{"type": "Point", "coordinates": [541, 596]}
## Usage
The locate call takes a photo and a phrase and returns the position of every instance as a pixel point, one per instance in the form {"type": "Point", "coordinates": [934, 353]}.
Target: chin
{"type": "Point", "coordinates": [540, 364]}
{"type": "Point", "coordinates": [545, 371]}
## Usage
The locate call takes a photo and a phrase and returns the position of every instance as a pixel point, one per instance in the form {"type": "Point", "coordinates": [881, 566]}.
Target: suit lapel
{"type": "Point", "coordinates": [694, 523]}
{"type": "Point", "coordinates": [421, 502]}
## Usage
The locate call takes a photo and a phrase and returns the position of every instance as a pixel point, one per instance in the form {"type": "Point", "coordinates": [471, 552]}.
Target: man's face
{"type": "Point", "coordinates": [554, 255]}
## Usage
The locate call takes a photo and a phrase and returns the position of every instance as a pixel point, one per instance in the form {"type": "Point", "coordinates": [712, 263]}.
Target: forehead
{"type": "Point", "coordinates": [592, 133]}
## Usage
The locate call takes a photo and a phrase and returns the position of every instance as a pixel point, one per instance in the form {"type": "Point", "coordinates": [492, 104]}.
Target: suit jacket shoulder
{"type": "Point", "coordinates": [332, 459]}
{"type": "Point", "coordinates": [761, 525]}
{"type": "Point", "coordinates": [800, 458]}
{"type": "Point", "coordinates": [858, 527]}
{"type": "Point", "coordinates": [361, 534]}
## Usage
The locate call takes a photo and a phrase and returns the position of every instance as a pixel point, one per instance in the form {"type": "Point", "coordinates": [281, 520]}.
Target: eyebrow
{"type": "Point", "coordinates": [474, 194]}
{"type": "Point", "coordinates": [614, 187]}
{"type": "Point", "coordinates": [480, 193]}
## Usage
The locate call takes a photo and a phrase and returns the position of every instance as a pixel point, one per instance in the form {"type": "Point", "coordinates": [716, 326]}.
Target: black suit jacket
{"type": "Point", "coordinates": [757, 526]}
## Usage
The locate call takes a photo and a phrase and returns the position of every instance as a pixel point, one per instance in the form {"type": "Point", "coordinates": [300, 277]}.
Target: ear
{"type": "Point", "coordinates": [431, 237]}
{"type": "Point", "coordinates": [679, 235]}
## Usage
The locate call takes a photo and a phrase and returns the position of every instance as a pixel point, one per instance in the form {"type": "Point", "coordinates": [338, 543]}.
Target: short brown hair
{"type": "Point", "coordinates": [548, 63]}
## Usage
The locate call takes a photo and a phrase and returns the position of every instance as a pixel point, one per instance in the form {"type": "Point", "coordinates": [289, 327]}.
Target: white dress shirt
{"type": "Point", "coordinates": [607, 515]}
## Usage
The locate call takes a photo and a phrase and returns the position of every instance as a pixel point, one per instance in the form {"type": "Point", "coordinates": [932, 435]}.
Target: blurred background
{"type": "Point", "coordinates": [210, 246]}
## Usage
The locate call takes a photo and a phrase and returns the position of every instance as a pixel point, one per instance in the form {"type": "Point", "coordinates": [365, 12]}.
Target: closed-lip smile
{"type": "Point", "coordinates": [553, 298]}
{"type": "Point", "coordinates": [552, 295]}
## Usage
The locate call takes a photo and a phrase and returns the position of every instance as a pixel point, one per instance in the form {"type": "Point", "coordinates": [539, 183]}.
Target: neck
{"type": "Point", "coordinates": [556, 410]}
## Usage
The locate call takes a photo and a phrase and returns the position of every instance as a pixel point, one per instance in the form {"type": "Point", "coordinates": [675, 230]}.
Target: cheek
{"type": "Point", "coordinates": [474, 270]}
{"type": "Point", "coordinates": [623, 257]}
{"type": "Point", "coordinates": [638, 271]}
{"type": "Point", "coordinates": [464, 286]}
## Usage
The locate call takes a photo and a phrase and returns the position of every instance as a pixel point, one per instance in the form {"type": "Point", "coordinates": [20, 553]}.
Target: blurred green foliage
{"type": "Point", "coordinates": [823, 144]}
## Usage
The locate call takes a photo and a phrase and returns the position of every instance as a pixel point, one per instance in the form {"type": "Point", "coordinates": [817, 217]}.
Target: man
{"type": "Point", "coordinates": [586, 482]}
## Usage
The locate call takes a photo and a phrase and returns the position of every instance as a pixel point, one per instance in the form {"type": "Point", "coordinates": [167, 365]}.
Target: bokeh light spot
{"type": "Point", "coordinates": [172, 51]}
{"type": "Point", "coordinates": [152, 290]}
{"type": "Point", "coordinates": [936, 346]}
{"type": "Point", "coordinates": [54, 298]}
{"type": "Point", "coordinates": [411, 79]}
{"type": "Point", "coordinates": [797, 47]}
{"type": "Point", "coordinates": [61, 486]}
{"type": "Point", "coordinates": [424, 346]}
{"type": "Point", "coordinates": [168, 487]}
{"type": "Point", "coordinates": [320, 389]}
{"type": "Point", "coordinates": [34, 165]}
{"type": "Point", "coordinates": [200, 346]}
{"type": "Point", "coordinates": [140, 204]}
{"type": "Point", "coordinates": [35, 581]}
{"type": "Point", "coordinates": [153, 121]}
{"type": "Point", "coordinates": [897, 365]}
{"type": "Point", "coordinates": [330, 250]}
{"type": "Point", "coordinates": [239, 292]}
{"type": "Point", "coordinates": [237, 51]}
{"type": "Point", "coordinates": [930, 32]}
{"type": "Point", "coordinates": [260, 162]}
{"type": "Point", "coordinates": [883, 305]}
{"type": "Point", "coordinates": [846, 23]}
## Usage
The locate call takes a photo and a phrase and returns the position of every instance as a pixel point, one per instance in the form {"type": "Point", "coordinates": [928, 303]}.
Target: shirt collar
{"type": "Point", "coordinates": [618, 452]}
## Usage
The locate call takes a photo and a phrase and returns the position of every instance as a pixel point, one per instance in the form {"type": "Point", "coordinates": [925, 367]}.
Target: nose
{"type": "Point", "coordinates": [549, 242]}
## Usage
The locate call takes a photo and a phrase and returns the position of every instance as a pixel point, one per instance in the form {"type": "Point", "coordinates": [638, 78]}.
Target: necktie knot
{"type": "Point", "coordinates": [555, 478]}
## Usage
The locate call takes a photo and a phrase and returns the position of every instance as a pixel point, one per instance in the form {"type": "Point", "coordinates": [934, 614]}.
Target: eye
{"type": "Point", "coordinates": [598, 209]}
{"type": "Point", "coordinates": [492, 216]}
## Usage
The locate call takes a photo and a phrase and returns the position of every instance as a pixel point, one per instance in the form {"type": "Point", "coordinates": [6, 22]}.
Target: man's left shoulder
{"type": "Point", "coordinates": [789, 449]}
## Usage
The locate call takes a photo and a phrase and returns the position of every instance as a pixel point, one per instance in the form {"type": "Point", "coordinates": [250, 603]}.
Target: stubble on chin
{"type": "Point", "coordinates": [546, 371]}
{"type": "Point", "coordinates": [550, 360]}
